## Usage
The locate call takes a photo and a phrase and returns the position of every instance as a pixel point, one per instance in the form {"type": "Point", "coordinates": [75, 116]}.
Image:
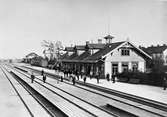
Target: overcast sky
{"type": "Point", "coordinates": [25, 23]}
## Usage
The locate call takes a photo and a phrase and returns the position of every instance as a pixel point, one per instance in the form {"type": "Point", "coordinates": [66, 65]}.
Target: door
{"type": "Point", "coordinates": [114, 68]}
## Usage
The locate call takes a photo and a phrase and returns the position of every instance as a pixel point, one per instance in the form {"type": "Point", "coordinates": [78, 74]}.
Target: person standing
{"type": "Point", "coordinates": [108, 77]}
{"type": "Point", "coordinates": [61, 77]}
{"type": "Point", "coordinates": [77, 74]}
{"type": "Point", "coordinates": [44, 78]}
{"type": "Point", "coordinates": [165, 83]}
{"type": "Point", "coordinates": [42, 72]}
{"type": "Point", "coordinates": [98, 76]}
{"type": "Point", "coordinates": [97, 79]}
{"type": "Point", "coordinates": [113, 77]}
{"type": "Point", "coordinates": [73, 80]}
{"type": "Point", "coordinates": [32, 78]}
{"type": "Point", "coordinates": [84, 78]}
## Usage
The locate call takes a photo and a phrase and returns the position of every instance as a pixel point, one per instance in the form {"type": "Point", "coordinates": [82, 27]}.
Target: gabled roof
{"type": "Point", "coordinates": [84, 47]}
{"type": "Point", "coordinates": [38, 57]}
{"type": "Point", "coordinates": [70, 49]}
{"type": "Point", "coordinates": [96, 45]}
{"type": "Point", "coordinates": [76, 58]}
{"type": "Point", "coordinates": [154, 49]}
{"type": "Point", "coordinates": [104, 51]}
{"type": "Point", "coordinates": [82, 56]}
{"type": "Point", "coordinates": [80, 47]}
{"type": "Point", "coordinates": [140, 51]}
{"type": "Point", "coordinates": [69, 58]}
{"type": "Point", "coordinates": [64, 56]}
{"type": "Point", "coordinates": [98, 55]}
{"type": "Point", "coordinates": [32, 54]}
{"type": "Point", "coordinates": [73, 55]}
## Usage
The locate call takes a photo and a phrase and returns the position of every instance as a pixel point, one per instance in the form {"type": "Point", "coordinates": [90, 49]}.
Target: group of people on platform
{"type": "Point", "coordinates": [76, 74]}
{"type": "Point", "coordinates": [73, 75]}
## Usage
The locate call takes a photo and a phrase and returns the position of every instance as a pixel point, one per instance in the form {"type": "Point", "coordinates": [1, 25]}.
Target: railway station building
{"type": "Point", "coordinates": [105, 58]}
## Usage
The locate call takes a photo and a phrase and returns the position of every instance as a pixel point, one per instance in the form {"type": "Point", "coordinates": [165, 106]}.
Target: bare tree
{"type": "Point", "coordinates": [53, 49]}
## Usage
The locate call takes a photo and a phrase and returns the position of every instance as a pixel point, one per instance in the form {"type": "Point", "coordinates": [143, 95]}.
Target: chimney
{"type": "Point", "coordinates": [92, 41]}
{"type": "Point", "coordinates": [99, 41]}
{"type": "Point", "coordinates": [87, 42]}
{"type": "Point", "coordinates": [164, 44]}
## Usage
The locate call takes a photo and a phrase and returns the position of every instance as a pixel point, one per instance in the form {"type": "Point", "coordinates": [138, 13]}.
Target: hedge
{"type": "Point", "coordinates": [152, 78]}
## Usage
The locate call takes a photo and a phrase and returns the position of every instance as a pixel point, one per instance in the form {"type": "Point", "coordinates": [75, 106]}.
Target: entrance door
{"type": "Point", "coordinates": [114, 68]}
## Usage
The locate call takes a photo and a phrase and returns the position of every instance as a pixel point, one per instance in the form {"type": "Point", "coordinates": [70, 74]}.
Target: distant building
{"type": "Point", "coordinates": [157, 52]}
{"type": "Point", "coordinates": [35, 59]}
{"type": "Point", "coordinates": [30, 56]}
{"type": "Point", "coordinates": [105, 58]}
{"type": "Point", "coordinates": [39, 61]}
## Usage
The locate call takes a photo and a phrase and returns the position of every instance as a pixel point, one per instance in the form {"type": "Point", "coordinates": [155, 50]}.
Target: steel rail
{"type": "Point", "coordinates": [144, 101]}
{"type": "Point", "coordinates": [76, 96]}
{"type": "Point", "coordinates": [65, 98]}
{"type": "Point", "coordinates": [26, 106]}
{"type": "Point", "coordinates": [38, 97]}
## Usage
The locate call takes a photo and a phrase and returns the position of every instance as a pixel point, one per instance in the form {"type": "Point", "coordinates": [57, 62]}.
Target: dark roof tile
{"type": "Point", "coordinates": [154, 49]}
{"type": "Point", "coordinates": [82, 56]}
{"type": "Point", "coordinates": [101, 52]}
{"type": "Point", "coordinates": [69, 49]}
{"type": "Point", "coordinates": [96, 46]}
{"type": "Point", "coordinates": [80, 47]}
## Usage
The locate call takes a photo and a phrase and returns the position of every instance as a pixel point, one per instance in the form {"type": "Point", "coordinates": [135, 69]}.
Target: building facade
{"type": "Point", "coordinates": [158, 51]}
{"type": "Point", "coordinates": [105, 58]}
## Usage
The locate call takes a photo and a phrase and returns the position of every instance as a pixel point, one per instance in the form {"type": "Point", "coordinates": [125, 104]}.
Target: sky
{"type": "Point", "coordinates": [24, 24]}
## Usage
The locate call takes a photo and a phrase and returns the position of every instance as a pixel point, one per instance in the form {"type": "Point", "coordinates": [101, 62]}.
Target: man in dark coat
{"type": "Point", "coordinates": [108, 77]}
{"type": "Point", "coordinates": [61, 77]}
{"type": "Point", "coordinates": [44, 78]}
{"type": "Point", "coordinates": [98, 76]}
{"type": "Point", "coordinates": [165, 83]}
{"type": "Point", "coordinates": [32, 78]}
{"type": "Point", "coordinates": [73, 79]}
{"type": "Point", "coordinates": [113, 77]}
{"type": "Point", "coordinates": [42, 72]}
{"type": "Point", "coordinates": [84, 78]}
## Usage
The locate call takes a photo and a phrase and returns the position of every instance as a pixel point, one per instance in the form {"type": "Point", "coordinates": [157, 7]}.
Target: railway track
{"type": "Point", "coordinates": [28, 109]}
{"type": "Point", "coordinates": [83, 105]}
{"type": "Point", "coordinates": [145, 108]}
{"type": "Point", "coordinates": [47, 106]}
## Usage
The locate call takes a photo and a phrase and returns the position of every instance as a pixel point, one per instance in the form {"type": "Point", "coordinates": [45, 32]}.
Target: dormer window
{"type": "Point", "coordinates": [125, 52]}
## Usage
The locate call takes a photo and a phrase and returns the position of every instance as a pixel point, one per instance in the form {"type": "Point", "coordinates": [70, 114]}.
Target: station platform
{"type": "Point", "coordinates": [145, 91]}
{"type": "Point", "coordinates": [10, 104]}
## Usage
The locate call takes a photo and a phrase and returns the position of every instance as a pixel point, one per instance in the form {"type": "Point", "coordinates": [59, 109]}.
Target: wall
{"type": "Point", "coordinates": [118, 58]}
{"type": "Point", "coordinates": [79, 52]}
{"type": "Point", "coordinates": [94, 51]}
{"type": "Point", "coordinates": [70, 53]}
{"type": "Point", "coordinates": [165, 57]}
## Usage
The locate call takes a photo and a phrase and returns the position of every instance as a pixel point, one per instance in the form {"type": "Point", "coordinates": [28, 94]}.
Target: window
{"type": "Point", "coordinates": [134, 66]}
{"type": "Point", "coordinates": [124, 67]}
{"type": "Point", "coordinates": [125, 52]}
